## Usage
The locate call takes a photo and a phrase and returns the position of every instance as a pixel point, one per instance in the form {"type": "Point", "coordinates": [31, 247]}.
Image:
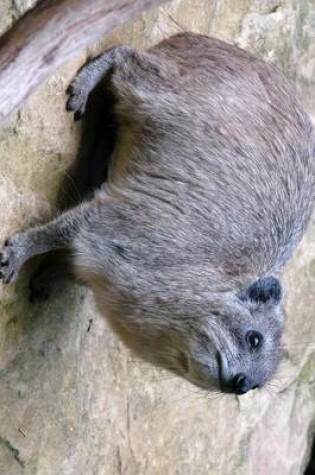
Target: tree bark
{"type": "Point", "coordinates": [46, 36]}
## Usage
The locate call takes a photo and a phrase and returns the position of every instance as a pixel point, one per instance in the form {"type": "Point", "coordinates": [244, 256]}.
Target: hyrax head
{"type": "Point", "coordinates": [229, 342]}
{"type": "Point", "coordinates": [244, 340]}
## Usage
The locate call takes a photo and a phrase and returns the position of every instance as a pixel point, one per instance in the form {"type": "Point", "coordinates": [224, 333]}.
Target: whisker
{"type": "Point", "coordinates": [170, 17]}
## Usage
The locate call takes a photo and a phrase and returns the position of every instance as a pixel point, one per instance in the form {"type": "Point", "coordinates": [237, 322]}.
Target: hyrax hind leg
{"type": "Point", "coordinates": [131, 72]}
{"type": "Point", "coordinates": [91, 74]}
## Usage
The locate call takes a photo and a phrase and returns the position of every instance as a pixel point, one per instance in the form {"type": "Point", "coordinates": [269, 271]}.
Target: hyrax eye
{"type": "Point", "coordinates": [254, 340]}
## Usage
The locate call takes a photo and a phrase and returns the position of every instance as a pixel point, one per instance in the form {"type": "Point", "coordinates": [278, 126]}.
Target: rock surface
{"type": "Point", "coordinates": [73, 401]}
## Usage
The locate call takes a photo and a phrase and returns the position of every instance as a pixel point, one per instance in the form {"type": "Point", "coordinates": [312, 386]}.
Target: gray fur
{"type": "Point", "coordinates": [210, 190]}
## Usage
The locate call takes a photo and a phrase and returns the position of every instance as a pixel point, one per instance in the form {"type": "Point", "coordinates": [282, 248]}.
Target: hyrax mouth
{"type": "Point", "coordinates": [239, 383]}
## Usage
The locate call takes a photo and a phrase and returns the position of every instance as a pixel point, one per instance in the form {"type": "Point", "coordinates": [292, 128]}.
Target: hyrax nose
{"type": "Point", "coordinates": [241, 384]}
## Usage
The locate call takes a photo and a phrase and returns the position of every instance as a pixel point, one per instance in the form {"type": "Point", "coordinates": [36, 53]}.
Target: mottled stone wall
{"type": "Point", "coordinates": [73, 401]}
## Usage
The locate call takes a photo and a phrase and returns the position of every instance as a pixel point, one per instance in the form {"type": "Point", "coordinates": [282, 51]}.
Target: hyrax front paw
{"type": "Point", "coordinates": [11, 258]}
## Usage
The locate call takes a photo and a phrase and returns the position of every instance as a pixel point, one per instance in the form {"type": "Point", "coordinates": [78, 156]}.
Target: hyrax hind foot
{"type": "Point", "coordinates": [12, 256]}
{"type": "Point", "coordinates": [84, 82]}
{"type": "Point", "coordinates": [77, 97]}
{"type": "Point", "coordinates": [90, 75]}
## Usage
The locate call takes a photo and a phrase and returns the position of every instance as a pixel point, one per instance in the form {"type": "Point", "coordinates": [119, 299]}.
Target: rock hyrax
{"type": "Point", "coordinates": [210, 189]}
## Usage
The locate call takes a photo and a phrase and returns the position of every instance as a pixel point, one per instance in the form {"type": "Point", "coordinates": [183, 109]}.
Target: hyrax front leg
{"type": "Point", "coordinates": [57, 234]}
{"type": "Point", "coordinates": [90, 75]}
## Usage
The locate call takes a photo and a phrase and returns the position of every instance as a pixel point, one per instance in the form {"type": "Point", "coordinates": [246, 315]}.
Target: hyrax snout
{"type": "Point", "coordinates": [209, 191]}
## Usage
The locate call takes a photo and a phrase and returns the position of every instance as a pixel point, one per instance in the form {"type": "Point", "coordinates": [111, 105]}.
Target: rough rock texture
{"type": "Point", "coordinates": [73, 401]}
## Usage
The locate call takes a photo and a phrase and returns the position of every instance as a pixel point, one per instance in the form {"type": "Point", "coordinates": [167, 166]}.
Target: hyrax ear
{"type": "Point", "coordinates": [266, 291]}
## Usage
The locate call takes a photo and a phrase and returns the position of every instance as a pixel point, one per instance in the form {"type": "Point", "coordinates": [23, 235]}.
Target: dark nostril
{"type": "Point", "coordinates": [240, 384]}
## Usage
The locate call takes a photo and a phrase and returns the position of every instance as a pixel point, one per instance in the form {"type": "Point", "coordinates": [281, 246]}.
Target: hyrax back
{"type": "Point", "coordinates": [210, 189]}
{"type": "Point", "coordinates": [221, 137]}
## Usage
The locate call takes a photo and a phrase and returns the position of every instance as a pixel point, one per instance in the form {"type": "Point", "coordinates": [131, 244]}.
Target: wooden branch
{"type": "Point", "coordinates": [48, 35]}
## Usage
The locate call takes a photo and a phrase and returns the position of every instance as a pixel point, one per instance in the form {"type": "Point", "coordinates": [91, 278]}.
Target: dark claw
{"type": "Point", "coordinates": [68, 105]}
{"type": "Point", "coordinates": [69, 89]}
{"type": "Point", "coordinates": [6, 279]}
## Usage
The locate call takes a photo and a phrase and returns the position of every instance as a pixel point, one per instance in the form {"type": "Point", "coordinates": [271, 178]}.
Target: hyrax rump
{"type": "Point", "coordinates": [210, 189]}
